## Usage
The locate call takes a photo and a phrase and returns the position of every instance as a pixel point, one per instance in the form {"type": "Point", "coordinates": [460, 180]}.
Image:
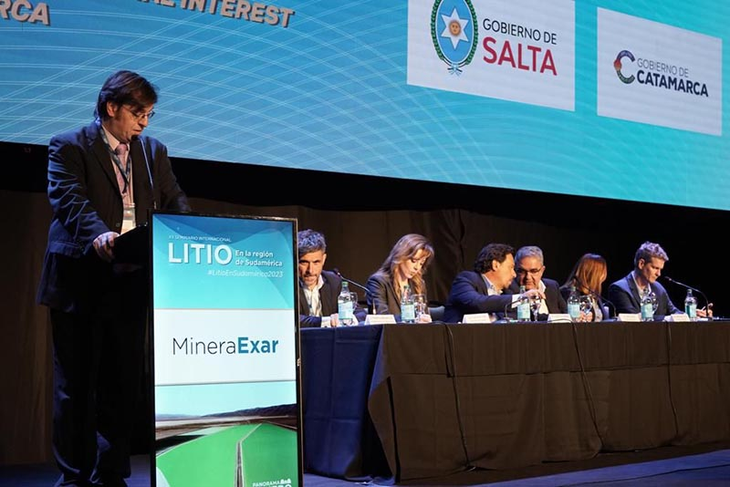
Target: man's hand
{"type": "Point", "coordinates": [705, 312]}
{"type": "Point", "coordinates": [104, 245]}
{"type": "Point", "coordinates": [335, 320]}
{"type": "Point", "coordinates": [534, 294]}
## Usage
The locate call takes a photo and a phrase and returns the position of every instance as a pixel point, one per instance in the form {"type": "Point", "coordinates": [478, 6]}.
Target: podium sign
{"type": "Point", "coordinates": [224, 351]}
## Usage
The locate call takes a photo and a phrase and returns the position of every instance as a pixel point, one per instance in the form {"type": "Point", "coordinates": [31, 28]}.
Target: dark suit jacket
{"type": "Point", "coordinates": [86, 202]}
{"type": "Point", "coordinates": [469, 295]}
{"type": "Point", "coordinates": [625, 296]}
{"type": "Point", "coordinates": [554, 300]}
{"type": "Point", "coordinates": [381, 296]}
{"type": "Point", "coordinates": [328, 298]}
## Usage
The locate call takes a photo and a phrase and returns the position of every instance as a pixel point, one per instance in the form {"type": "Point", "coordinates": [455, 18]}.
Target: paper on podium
{"type": "Point", "coordinates": [629, 316]}
{"type": "Point", "coordinates": [379, 319]}
{"type": "Point", "coordinates": [132, 247]}
{"type": "Point", "coordinates": [477, 318]}
{"type": "Point", "coordinates": [677, 317]}
{"type": "Point", "coordinates": [559, 318]}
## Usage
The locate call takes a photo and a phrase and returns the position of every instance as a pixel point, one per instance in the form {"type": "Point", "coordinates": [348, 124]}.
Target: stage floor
{"type": "Point", "coordinates": [677, 466]}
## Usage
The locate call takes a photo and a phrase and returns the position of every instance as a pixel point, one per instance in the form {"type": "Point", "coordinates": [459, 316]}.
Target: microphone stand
{"type": "Point", "coordinates": [149, 170]}
{"type": "Point", "coordinates": [506, 318]}
{"type": "Point", "coordinates": [708, 305]}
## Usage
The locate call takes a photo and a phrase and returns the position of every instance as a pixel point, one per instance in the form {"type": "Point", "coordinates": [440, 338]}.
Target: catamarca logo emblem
{"type": "Point", "coordinates": [617, 65]}
{"type": "Point", "coordinates": [454, 32]}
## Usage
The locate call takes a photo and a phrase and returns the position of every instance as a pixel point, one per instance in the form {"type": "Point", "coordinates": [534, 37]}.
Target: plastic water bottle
{"type": "Point", "coordinates": [690, 306]}
{"type": "Point", "coordinates": [574, 304]}
{"type": "Point", "coordinates": [407, 306]}
{"type": "Point", "coordinates": [647, 305]}
{"type": "Point", "coordinates": [523, 306]}
{"type": "Point", "coordinates": [345, 305]}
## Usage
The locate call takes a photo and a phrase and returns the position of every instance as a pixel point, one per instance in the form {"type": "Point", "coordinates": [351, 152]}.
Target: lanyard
{"type": "Point", "coordinates": [124, 171]}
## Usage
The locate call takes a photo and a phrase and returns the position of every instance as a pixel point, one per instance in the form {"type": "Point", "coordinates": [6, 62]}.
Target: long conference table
{"type": "Point", "coordinates": [413, 401]}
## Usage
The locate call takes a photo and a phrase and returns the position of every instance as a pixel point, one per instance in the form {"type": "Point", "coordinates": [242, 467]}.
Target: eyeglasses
{"type": "Point", "coordinates": [138, 115]}
{"type": "Point", "coordinates": [530, 271]}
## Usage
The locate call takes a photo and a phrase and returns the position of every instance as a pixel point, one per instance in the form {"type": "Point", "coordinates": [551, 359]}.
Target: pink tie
{"type": "Point", "coordinates": [122, 150]}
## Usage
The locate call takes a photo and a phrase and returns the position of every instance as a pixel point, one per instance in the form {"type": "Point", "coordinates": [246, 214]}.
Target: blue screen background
{"type": "Point", "coordinates": [329, 93]}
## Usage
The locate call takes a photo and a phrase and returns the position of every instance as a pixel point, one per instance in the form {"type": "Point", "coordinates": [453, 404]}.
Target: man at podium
{"type": "Point", "coordinates": [102, 180]}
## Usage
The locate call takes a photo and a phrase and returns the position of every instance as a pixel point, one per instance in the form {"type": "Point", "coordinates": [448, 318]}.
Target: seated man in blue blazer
{"type": "Point", "coordinates": [530, 267]}
{"type": "Point", "coordinates": [626, 293]}
{"type": "Point", "coordinates": [481, 290]}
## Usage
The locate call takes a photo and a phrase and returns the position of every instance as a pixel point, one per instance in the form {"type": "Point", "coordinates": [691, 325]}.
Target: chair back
{"type": "Point", "coordinates": [437, 313]}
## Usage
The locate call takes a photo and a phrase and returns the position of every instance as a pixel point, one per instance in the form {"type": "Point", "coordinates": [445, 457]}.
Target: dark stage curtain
{"type": "Point", "coordinates": [362, 217]}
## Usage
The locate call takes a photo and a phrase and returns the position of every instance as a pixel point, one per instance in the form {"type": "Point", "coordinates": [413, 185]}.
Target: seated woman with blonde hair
{"type": "Point", "coordinates": [405, 266]}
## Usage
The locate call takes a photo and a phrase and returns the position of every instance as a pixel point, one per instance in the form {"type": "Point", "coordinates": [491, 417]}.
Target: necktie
{"type": "Point", "coordinates": [122, 150]}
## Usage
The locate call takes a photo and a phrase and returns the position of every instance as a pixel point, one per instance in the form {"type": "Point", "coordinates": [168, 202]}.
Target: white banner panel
{"type": "Point", "coordinates": [517, 50]}
{"type": "Point", "coordinates": [222, 346]}
{"type": "Point", "coordinates": [658, 74]}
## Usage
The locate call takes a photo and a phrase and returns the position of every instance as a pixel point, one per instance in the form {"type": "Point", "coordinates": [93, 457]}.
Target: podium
{"type": "Point", "coordinates": [223, 348]}
{"type": "Point", "coordinates": [133, 247]}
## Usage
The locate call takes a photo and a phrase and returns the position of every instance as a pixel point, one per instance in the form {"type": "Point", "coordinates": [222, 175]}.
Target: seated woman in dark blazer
{"type": "Point", "coordinates": [588, 276]}
{"type": "Point", "coordinates": [405, 265]}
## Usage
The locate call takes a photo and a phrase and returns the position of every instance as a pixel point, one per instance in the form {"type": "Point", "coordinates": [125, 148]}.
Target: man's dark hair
{"type": "Point", "coordinates": [310, 241]}
{"type": "Point", "coordinates": [492, 251]}
{"type": "Point", "coordinates": [125, 88]}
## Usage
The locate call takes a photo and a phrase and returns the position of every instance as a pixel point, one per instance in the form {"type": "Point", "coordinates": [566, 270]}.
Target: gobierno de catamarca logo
{"type": "Point", "coordinates": [658, 74]}
{"type": "Point", "coordinates": [454, 33]}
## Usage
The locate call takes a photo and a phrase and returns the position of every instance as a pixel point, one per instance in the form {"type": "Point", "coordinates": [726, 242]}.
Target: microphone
{"type": "Point", "coordinates": [339, 274]}
{"type": "Point", "coordinates": [708, 304]}
{"type": "Point", "coordinates": [149, 170]}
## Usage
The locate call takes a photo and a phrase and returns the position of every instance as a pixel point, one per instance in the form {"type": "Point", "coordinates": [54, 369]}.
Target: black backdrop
{"type": "Point", "coordinates": [362, 217]}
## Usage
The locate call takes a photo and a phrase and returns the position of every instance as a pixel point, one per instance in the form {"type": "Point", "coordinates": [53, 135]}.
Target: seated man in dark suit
{"type": "Point", "coordinates": [480, 290]}
{"type": "Point", "coordinates": [318, 289]}
{"type": "Point", "coordinates": [530, 267]}
{"type": "Point", "coordinates": [626, 293]}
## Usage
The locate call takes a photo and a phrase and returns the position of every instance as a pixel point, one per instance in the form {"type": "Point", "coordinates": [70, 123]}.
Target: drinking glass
{"type": "Point", "coordinates": [535, 304]}
{"type": "Point", "coordinates": [586, 308]}
{"type": "Point", "coordinates": [353, 300]}
{"type": "Point", "coordinates": [420, 304]}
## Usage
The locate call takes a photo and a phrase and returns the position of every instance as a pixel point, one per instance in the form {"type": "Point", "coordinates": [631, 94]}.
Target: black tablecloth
{"type": "Point", "coordinates": [337, 368]}
{"type": "Point", "coordinates": [443, 398]}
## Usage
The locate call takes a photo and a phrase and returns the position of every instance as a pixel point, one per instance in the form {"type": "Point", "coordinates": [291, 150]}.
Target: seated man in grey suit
{"type": "Point", "coordinates": [480, 290]}
{"type": "Point", "coordinates": [530, 267]}
{"type": "Point", "coordinates": [626, 293]}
